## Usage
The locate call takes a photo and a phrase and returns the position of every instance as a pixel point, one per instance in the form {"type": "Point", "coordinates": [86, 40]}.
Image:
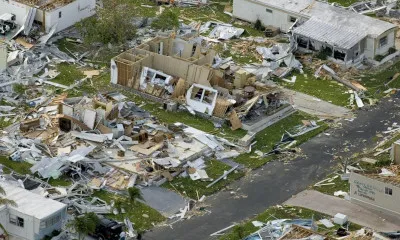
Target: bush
{"type": "Point", "coordinates": [392, 50]}
{"type": "Point", "coordinates": [379, 58]}
{"type": "Point", "coordinates": [112, 25]}
{"type": "Point", "coordinates": [168, 20]}
{"type": "Point", "coordinates": [383, 163]}
{"type": "Point", "coordinates": [258, 25]}
{"type": "Point", "coordinates": [324, 53]}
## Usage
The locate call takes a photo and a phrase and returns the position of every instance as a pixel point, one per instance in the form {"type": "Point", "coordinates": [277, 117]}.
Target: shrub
{"type": "Point", "coordinates": [379, 57]}
{"type": "Point", "coordinates": [258, 25]}
{"type": "Point", "coordinates": [168, 20]}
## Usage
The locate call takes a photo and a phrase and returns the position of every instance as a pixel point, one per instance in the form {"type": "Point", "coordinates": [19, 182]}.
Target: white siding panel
{"type": "Point", "coordinates": [372, 192]}
{"type": "Point", "coordinates": [251, 11]}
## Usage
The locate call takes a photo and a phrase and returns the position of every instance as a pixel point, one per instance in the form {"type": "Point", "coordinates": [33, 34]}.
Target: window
{"type": "Point", "coordinates": [292, 19]}
{"type": "Point", "coordinates": [268, 10]}
{"type": "Point", "coordinates": [59, 14]}
{"type": "Point", "coordinates": [50, 221]}
{"type": "Point", "coordinates": [17, 221]}
{"type": "Point", "coordinates": [383, 41]}
{"type": "Point", "coordinates": [388, 191]}
{"type": "Point", "coordinates": [339, 55]}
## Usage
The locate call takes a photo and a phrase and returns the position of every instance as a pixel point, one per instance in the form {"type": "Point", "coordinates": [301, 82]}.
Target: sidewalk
{"type": "Point", "coordinates": [331, 205]}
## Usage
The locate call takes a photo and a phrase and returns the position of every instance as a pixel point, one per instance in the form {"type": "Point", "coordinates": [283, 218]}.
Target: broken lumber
{"type": "Point", "coordinates": [337, 78]}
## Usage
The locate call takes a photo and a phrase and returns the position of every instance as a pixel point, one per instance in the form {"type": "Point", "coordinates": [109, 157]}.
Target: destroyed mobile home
{"type": "Point", "coordinates": [175, 71]}
{"type": "Point", "coordinates": [106, 144]}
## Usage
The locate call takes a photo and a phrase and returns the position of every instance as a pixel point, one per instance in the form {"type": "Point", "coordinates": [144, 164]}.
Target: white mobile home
{"type": "Point", "coordinates": [34, 216]}
{"type": "Point", "coordinates": [376, 191]}
{"type": "Point", "coordinates": [58, 13]}
{"type": "Point", "coordinates": [347, 36]}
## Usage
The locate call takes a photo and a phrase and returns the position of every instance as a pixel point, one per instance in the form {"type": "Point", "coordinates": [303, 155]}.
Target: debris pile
{"type": "Point", "coordinates": [222, 92]}
{"type": "Point", "coordinates": [111, 144]}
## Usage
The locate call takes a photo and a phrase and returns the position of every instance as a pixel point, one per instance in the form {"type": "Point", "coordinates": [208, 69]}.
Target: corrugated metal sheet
{"type": "Point", "coordinates": [329, 33]}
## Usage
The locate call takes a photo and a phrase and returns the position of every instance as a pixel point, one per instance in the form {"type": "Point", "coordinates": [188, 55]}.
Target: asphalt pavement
{"type": "Point", "coordinates": [277, 181]}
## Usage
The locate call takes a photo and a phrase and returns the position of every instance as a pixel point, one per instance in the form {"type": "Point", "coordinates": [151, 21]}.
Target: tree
{"type": "Point", "coordinates": [112, 23]}
{"type": "Point", "coordinates": [5, 201]}
{"type": "Point", "coordinates": [119, 205]}
{"type": "Point", "coordinates": [133, 194]}
{"type": "Point", "coordinates": [167, 20]}
{"type": "Point", "coordinates": [85, 224]}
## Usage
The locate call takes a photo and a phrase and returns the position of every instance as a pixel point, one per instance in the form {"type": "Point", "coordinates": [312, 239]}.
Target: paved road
{"type": "Point", "coordinates": [331, 205]}
{"type": "Point", "coordinates": [276, 182]}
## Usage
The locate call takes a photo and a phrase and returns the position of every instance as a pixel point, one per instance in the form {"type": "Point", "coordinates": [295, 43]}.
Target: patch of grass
{"type": "Point", "coordinates": [339, 185]}
{"type": "Point", "coordinates": [271, 135]}
{"type": "Point", "coordinates": [92, 86]}
{"type": "Point", "coordinates": [204, 13]}
{"type": "Point", "coordinates": [344, 3]}
{"type": "Point", "coordinates": [60, 182]}
{"type": "Point", "coordinates": [330, 91]}
{"type": "Point", "coordinates": [18, 167]}
{"type": "Point", "coordinates": [69, 73]}
{"type": "Point", "coordinates": [4, 123]}
{"type": "Point", "coordinates": [284, 212]}
{"type": "Point", "coordinates": [19, 88]}
{"type": "Point", "coordinates": [65, 45]}
{"type": "Point", "coordinates": [134, 213]}
{"type": "Point", "coordinates": [375, 81]}
{"type": "Point", "coordinates": [214, 169]}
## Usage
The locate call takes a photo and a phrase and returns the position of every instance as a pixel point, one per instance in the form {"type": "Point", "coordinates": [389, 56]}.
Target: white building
{"type": "Point", "coordinates": [49, 13]}
{"type": "Point", "coordinates": [33, 217]}
{"type": "Point", "coordinates": [376, 191]}
{"type": "Point", "coordinates": [348, 36]}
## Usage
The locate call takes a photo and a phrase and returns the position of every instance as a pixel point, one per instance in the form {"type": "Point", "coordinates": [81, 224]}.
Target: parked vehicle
{"type": "Point", "coordinates": [108, 230]}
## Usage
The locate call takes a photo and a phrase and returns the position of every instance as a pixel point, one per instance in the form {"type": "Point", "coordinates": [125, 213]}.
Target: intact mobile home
{"type": "Point", "coordinates": [34, 216]}
{"type": "Point", "coordinates": [345, 35]}
{"type": "Point", "coordinates": [60, 14]}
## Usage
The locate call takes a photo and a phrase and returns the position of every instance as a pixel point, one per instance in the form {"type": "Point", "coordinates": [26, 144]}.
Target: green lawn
{"type": "Point", "coordinates": [267, 138]}
{"type": "Point", "coordinates": [328, 90]}
{"type": "Point", "coordinates": [134, 212]}
{"type": "Point", "coordinates": [344, 3]}
{"type": "Point", "coordinates": [339, 185]}
{"type": "Point", "coordinates": [69, 73]}
{"type": "Point", "coordinates": [375, 81]}
{"type": "Point", "coordinates": [190, 188]}
{"type": "Point", "coordinates": [281, 212]}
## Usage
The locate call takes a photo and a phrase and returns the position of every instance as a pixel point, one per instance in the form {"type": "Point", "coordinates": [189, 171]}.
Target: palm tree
{"type": "Point", "coordinates": [119, 205]}
{"type": "Point", "coordinates": [84, 224]}
{"type": "Point", "coordinates": [134, 194]}
{"type": "Point", "coordinates": [5, 201]}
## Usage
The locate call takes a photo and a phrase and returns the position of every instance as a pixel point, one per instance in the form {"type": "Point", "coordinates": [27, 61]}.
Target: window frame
{"type": "Point", "coordinates": [383, 41]}
{"type": "Point", "coordinates": [389, 191]}
{"type": "Point", "coordinates": [16, 221]}
{"type": "Point", "coordinates": [269, 10]}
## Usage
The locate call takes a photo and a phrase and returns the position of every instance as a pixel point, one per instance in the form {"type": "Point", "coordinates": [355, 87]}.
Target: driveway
{"type": "Point", "coordinates": [276, 182]}
{"type": "Point", "coordinates": [331, 205]}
